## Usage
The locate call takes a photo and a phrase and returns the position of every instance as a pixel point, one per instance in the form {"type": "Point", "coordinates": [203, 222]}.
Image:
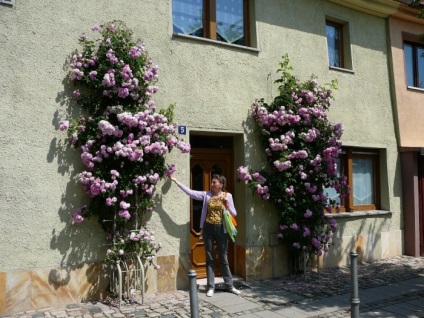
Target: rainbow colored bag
{"type": "Point", "coordinates": [231, 229]}
{"type": "Point", "coordinates": [230, 221]}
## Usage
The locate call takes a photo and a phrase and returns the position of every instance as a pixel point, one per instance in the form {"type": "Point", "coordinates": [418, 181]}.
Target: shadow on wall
{"type": "Point", "coordinates": [178, 231]}
{"type": "Point", "coordinates": [266, 255]}
{"type": "Point", "coordinates": [366, 242]}
{"type": "Point", "coordinates": [262, 218]}
{"type": "Point", "coordinates": [83, 242]}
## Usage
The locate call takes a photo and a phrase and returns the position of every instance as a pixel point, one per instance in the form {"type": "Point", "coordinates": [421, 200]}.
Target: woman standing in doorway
{"type": "Point", "coordinates": [212, 223]}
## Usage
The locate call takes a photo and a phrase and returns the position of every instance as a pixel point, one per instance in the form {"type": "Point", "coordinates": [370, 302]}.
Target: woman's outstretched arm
{"type": "Point", "coordinates": [196, 195]}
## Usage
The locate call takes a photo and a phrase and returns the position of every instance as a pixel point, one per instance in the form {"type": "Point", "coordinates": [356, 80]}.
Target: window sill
{"type": "Point", "coordinates": [340, 69]}
{"type": "Point", "coordinates": [197, 38]}
{"type": "Point", "coordinates": [358, 214]}
{"type": "Point", "coordinates": [419, 89]}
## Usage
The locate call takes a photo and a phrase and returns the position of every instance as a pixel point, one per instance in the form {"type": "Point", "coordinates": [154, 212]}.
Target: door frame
{"type": "Point", "coordinates": [204, 154]}
{"type": "Point", "coordinates": [421, 202]}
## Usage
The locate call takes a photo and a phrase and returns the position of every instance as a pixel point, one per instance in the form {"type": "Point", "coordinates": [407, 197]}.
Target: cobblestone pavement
{"type": "Point", "coordinates": [388, 288]}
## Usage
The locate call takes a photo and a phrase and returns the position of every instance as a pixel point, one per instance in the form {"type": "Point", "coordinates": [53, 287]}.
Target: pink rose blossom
{"type": "Point", "coordinates": [77, 218]}
{"type": "Point", "coordinates": [307, 214]}
{"type": "Point", "coordinates": [63, 125]}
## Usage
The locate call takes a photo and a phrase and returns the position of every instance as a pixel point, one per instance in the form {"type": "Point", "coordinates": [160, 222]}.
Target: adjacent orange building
{"type": "Point", "coordinates": [407, 56]}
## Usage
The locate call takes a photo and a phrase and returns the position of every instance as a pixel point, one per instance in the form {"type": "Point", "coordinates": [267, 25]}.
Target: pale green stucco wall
{"type": "Point", "coordinates": [213, 87]}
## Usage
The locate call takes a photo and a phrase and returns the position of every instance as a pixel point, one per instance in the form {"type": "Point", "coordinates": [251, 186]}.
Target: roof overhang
{"type": "Point", "coordinates": [380, 8]}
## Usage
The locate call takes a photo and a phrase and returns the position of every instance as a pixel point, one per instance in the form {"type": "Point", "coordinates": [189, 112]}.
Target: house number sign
{"type": "Point", "coordinates": [182, 130]}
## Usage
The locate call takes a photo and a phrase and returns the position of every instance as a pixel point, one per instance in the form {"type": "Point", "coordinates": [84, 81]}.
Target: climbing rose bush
{"type": "Point", "coordinates": [123, 139]}
{"type": "Point", "coordinates": [301, 147]}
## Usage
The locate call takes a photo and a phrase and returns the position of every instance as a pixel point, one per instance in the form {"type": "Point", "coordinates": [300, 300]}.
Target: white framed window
{"type": "Point", "coordinates": [362, 169]}
{"type": "Point", "coordinates": [228, 21]}
{"type": "Point", "coordinates": [338, 43]}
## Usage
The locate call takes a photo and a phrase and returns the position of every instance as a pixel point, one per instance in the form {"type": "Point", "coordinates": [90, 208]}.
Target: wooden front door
{"type": "Point", "coordinates": [204, 164]}
{"type": "Point", "coordinates": [421, 201]}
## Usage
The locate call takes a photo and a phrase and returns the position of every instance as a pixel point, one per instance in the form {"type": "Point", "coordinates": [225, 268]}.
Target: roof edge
{"type": "Point", "coordinates": [380, 8]}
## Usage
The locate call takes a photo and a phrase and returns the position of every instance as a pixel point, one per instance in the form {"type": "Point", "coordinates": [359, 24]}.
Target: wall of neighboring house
{"type": "Point", "coordinates": [47, 261]}
{"type": "Point", "coordinates": [408, 102]}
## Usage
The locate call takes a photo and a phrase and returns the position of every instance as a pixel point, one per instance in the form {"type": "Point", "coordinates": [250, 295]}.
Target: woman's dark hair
{"type": "Point", "coordinates": [221, 180]}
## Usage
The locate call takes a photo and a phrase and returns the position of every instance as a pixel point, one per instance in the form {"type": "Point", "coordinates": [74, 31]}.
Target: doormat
{"type": "Point", "coordinates": [238, 285]}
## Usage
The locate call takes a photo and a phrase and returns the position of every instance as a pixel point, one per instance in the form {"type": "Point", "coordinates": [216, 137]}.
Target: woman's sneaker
{"type": "Point", "coordinates": [209, 293]}
{"type": "Point", "coordinates": [234, 291]}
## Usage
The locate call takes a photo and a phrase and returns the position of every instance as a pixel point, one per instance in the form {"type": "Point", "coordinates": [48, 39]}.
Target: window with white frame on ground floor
{"type": "Point", "coordinates": [361, 167]}
{"type": "Point", "coordinates": [338, 43]}
{"type": "Point", "coordinates": [221, 20]}
{"type": "Point", "coordinates": [414, 64]}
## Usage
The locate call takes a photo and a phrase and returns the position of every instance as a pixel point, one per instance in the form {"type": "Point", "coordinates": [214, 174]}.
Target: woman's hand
{"type": "Point", "coordinates": [173, 179]}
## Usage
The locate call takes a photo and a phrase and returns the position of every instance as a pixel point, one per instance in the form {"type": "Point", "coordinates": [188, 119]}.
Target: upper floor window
{"type": "Point", "coordinates": [414, 64]}
{"type": "Point", "coordinates": [361, 167]}
{"type": "Point", "coordinates": [338, 44]}
{"type": "Point", "coordinates": [221, 20]}
{"type": "Point", "coordinates": [335, 43]}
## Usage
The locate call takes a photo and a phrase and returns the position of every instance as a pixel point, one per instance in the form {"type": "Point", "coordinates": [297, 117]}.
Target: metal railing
{"type": "Point", "coordinates": [129, 273]}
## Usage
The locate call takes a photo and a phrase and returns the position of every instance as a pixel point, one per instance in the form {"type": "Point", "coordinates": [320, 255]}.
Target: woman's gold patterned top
{"type": "Point", "coordinates": [215, 210]}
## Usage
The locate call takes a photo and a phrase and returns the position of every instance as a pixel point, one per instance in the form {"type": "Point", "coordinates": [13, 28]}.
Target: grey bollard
{"type": "Point", "coordinates": [354, 300]}
{"type": "Point", "coordinates": [194, 304]}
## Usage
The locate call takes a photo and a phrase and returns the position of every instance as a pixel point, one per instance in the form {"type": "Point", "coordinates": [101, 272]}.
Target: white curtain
{"type": "Point", "coordinates": [229, 20]}
{"type": "Point", "coordinates": [187, 16]}
{"type": "Point", "coordinates": [363, 184]}
{"type": "Point", "coordinates": [333, 43]}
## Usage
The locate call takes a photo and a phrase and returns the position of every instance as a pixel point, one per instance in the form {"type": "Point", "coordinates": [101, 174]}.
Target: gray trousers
{"type": "Point", "coordinates": [215, 233]}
